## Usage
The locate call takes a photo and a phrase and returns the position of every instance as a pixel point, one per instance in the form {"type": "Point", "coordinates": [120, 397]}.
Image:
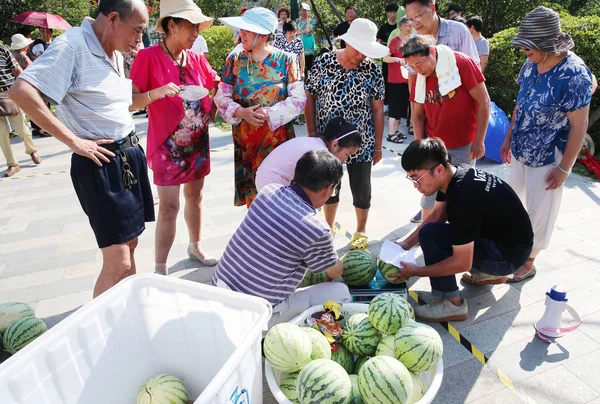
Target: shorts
{"type": "Point", "coordinates": [360, 185]}
{"type": "Point", "coordinates": [117, 214]}
{"type": "Point", "coordinates": [398, 97]}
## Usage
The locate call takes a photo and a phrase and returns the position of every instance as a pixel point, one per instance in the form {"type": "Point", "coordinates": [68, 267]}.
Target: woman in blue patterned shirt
{"type": "Point", "coordinates": [548, 124]}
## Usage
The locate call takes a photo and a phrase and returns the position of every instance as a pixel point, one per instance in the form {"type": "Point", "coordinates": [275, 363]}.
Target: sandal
{"type": "Point", "coordinates": [395, 138]}
{"type": "Point", "coordinates": [359, 241]}
{"type": "Point", "coordinates": [520, 278]}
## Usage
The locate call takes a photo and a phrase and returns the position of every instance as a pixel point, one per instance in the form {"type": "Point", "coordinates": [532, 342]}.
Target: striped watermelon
{"type": "Point", "coordinates": [344, 358]}
{"type": "Point", "coordinates": [386, 347]}
{"type": "Point", "coordinates": [311, 278]}
{"type": "Point", "coordinates": [419, 389]}
{"type": "Point", "coordinates": [359, 267]}
{"type": "Point", "coordinates": [162, 389]}
{"type": "Point", "coordinates": [356, 397]}
{"type": "Point", "coordinates": [418, 346]}
{"type": "Point", "coordinates": [389, 312]}
{"type": "Point", "coordinates": [359, 336]}
{"type": "Point", "coordinates": [289, 385]}
{"type": "Point", "coordinates": [11, 312]}
{"type": "Point", "coordinates": [320, 346]}
{"type": "Point", "coordinates": [287, 347]}
{"type": "Point", "coordinates": [411, 312]}
{"type": "Point", "coordinates": [323, 381]}
{"type": "Point", "coordinates": [384, 380]}
{"type": "Point", "coordinates": [388, 269]}
{"type": "Point", "coordinates": [360, 362]}
{"type": "Point", "coordinates": [21, 333]}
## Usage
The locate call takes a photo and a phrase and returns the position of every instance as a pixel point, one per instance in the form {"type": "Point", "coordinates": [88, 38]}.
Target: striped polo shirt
{"type": "Point", "coordinates": [91, 92]}
{"type": "Point", "coordinates": [281, 236]}
{"type": "Point", "coordinates": [7, 64]}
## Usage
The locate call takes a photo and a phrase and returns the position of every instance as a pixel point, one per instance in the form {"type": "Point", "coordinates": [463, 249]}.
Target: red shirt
{"type": "Point", "coordinates": [394, 73]}
{"type": "Point", "coordinates": [453, 117]}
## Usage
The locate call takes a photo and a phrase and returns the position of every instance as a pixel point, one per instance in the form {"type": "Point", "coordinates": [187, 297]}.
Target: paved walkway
{"type": "Point", "coordinates": [48, 258]}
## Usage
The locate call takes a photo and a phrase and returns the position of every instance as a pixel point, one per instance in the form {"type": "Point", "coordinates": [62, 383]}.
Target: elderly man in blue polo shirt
{"type": "Point", "coordinates": [82, 74]}
{"type": "Point", "coordinates": [282, 237]}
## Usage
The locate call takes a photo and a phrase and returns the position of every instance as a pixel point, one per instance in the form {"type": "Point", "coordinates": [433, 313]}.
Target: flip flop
{"type": "Point", "coordinates": [519, 278]}
{"type": "Point", "coordinates": [359, 241]}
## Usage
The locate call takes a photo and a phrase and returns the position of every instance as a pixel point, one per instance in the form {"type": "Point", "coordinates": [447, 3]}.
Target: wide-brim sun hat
{"type": "Point", "coordinates": [305, 6]}
{"type": "Point", "coordinates": [540, 30]}
{"type": "Point", "coordinates": [362, 36]}
{"type": "Point", "coordinates": [18, 42]}
{"type": "Point", "coordinates": [186, 9]}
{"type": "Point", "coordinates": [258, 20]}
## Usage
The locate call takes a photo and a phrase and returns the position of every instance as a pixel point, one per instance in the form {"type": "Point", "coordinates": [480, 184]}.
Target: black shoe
{"type": "Point", "coordinates": [140, 112]}
{"type": "Point", "coordinates": [417, 218]}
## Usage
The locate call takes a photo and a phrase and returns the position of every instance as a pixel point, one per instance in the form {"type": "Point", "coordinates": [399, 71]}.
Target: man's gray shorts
{"type": "Point", "coordinates": [460, 155]}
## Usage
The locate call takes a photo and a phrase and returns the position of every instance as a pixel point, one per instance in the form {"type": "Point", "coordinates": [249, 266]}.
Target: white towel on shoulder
{"type": "Point", "coordinates": [446, 71]}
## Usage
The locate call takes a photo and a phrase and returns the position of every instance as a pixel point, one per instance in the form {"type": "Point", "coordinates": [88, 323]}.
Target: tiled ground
{"type": "Point", "coordinates": [48, 258]}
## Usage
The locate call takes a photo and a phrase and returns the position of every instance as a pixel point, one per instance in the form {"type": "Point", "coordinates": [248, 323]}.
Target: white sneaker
{"type": "Point", "coordinates": [442, 310]}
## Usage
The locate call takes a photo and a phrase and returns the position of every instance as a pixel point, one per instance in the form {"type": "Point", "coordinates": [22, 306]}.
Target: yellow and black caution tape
{"type": "Point", "coordinates": [22, 177]}
{"type": "Point", "coordinates": [478, 354]}
{"type": "Point", "coordinates": [391, 151]}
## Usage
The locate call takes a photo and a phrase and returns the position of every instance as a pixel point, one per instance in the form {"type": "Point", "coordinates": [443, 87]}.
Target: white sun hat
{"type": "Point", "coordinates": [19, 41]}
{"type": "Point", "coordinates": [258, 20]}
{"type": "Point", "coordinates": [186, 9]}
{"type": "Point", "coordinates": [362, 36]}
{"type": "Point", "coordinates": [305, 6]}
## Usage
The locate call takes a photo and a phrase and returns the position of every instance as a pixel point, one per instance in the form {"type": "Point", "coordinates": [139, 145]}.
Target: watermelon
{"type": "Point", "coordinates": [360, 337]}
{"type": "Point", "coordinates": [162, 389]}
{"type": "Point", "coordinates": [360, 362]}
{"type": "Point", "coordinates": [356, 397]}
{"type": "Point", "coordinates": [384, 380]}
{"type": "Point", "coordinates": [388, 312]}
{"type": "Point", "coordinates": [11, 312]}
{"type": "Point", "coordinates": [386, 347]}
{"type": "Point", "coordinates": [311, 278]}
{"type": "Point", "coordinates": [344, 358]}
{"type": "Point", "coordinates": [411, 312]}
{"type": "Point", "coordinates": [359, 268]}
{"type": "Point", "coordinates": [419, 389]}
{"type": "Point", "coordinates": [289, 385]}
{"type": "Point", "coordinates": [388, 269]}
{"type": "Point", "coordinates": [287, 347]}
{"type": "Point", "coordinates": [21, 333]}
{"type": "Point", "coordinates": [418, 346]}
{"type": "Point", "coordinates": [320, 346]}
{"type": "Point", "coordinates": [323, 381]}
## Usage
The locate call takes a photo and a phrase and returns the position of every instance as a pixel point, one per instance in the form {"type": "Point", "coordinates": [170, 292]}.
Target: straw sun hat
{"type": "Point", "coordinates": [185, 9]}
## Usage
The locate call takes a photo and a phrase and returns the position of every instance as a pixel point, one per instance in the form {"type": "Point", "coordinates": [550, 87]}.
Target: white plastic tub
{"type": "Point", "coordinates": [207, 337]}
{"type": "Point", "coordinates": [432, 378]}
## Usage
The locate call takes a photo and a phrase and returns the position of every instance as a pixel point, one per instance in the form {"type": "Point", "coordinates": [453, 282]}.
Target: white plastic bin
{"type": "Point", "coordinates": [432, 378]}
{"type": "Point", "coordinates": [207, 337]}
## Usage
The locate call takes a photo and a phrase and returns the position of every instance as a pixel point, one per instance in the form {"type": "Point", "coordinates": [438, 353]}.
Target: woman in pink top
{"type": "Point", "coordinates": [340, 138]}
{"type": "Point", "coordinates": [176, 81]}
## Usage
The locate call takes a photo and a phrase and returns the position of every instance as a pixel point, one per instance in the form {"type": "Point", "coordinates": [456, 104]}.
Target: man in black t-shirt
{"type": "Point", "coordinates": [488, 234]}
{"type": "Point", "coordinates": [343, 27]}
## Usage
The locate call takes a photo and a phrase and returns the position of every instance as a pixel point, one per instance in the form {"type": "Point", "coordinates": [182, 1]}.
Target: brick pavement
{"type": "Point", "coordinates": [48, 258]}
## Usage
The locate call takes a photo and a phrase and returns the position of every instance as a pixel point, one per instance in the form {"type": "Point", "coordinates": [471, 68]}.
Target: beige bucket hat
{"type": "Point", "coordinates": [186, 9]}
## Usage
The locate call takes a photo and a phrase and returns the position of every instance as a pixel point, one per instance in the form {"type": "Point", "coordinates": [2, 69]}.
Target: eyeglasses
{"type": "Point", "coordinates": [525, 49]}
{"type": "Point", "coordinates": [336, 190]}
{"type": "Point", "coordinates": [417, 18]}
{"type": "Point", "coordinates": [421, 177]}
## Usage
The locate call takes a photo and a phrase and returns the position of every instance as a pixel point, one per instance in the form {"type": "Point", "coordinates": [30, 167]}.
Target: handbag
{"type": "Point", "coordinates": [7, 106]}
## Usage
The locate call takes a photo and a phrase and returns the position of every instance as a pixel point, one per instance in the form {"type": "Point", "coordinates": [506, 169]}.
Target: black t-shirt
{"type": "Point", "coordinates": [481, 205]}
{"type": "Point", "coordinates": [341, 29]}
{"type": "Point", "coordinates": [385, 31]}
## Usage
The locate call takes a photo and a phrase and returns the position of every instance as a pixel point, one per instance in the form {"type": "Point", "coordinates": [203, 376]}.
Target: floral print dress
{"type": "Point", "coordinates": [274, 84]}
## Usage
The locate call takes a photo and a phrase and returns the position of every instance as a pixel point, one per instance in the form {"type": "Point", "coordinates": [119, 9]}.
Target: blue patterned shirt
{"type": "Point", "coordinates": [544, 100]}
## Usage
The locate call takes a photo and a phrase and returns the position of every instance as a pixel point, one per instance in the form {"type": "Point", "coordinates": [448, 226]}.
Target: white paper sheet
{"type": "Point", "coordinates": [392, 253]}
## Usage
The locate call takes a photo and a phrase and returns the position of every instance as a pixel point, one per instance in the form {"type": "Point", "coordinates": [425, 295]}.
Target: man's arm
{"type": "Point", "coordinates": [17, 70]}
{"type": "Point", "coordinates": [480, 94]}
{"type": "Point", "coordinates": [335, 271]}
{"type": "Point", "coordinates": [418, 120]}
{"type": "Point", "coordinates": [30, 100]}
{"type": "Point", "coordinates": [483, 59]}
{"type": "Point", "coordinates": [310, 114]}
{"type": "Point", "coordinates": [460, 261]}
{"type": "Point", "coordinates": [437, 215]}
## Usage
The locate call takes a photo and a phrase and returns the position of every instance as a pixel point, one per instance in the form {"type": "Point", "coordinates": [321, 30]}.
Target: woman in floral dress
{"type": "Point", "coordinates": [260, 95]}
{"type": "Point", "coordinates": [177, 143]}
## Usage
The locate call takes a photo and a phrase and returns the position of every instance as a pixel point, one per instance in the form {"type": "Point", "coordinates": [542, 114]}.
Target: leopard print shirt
{"type": "Point", "coordinates": [347, 93]}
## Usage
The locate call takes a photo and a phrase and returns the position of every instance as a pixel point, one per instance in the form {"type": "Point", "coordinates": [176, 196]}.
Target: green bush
{"type": "Point", "coordinates": [219, 40]}
{"type": "Point", "coordinates": [506, 61]}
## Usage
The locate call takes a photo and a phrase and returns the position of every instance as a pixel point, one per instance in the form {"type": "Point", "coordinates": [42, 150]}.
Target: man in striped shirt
{"type": "Point", "coordinates": [282, 236]}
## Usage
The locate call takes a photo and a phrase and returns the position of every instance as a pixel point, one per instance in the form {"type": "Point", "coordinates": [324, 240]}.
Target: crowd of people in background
{"type": "Point", "coordinates": [431, 76]}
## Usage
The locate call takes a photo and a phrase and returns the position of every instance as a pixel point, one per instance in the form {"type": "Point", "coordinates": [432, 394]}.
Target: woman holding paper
{"type": "Point", "coordinates": [450, 101]}
{"type": "Point", "coordinates": [176, 81]}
